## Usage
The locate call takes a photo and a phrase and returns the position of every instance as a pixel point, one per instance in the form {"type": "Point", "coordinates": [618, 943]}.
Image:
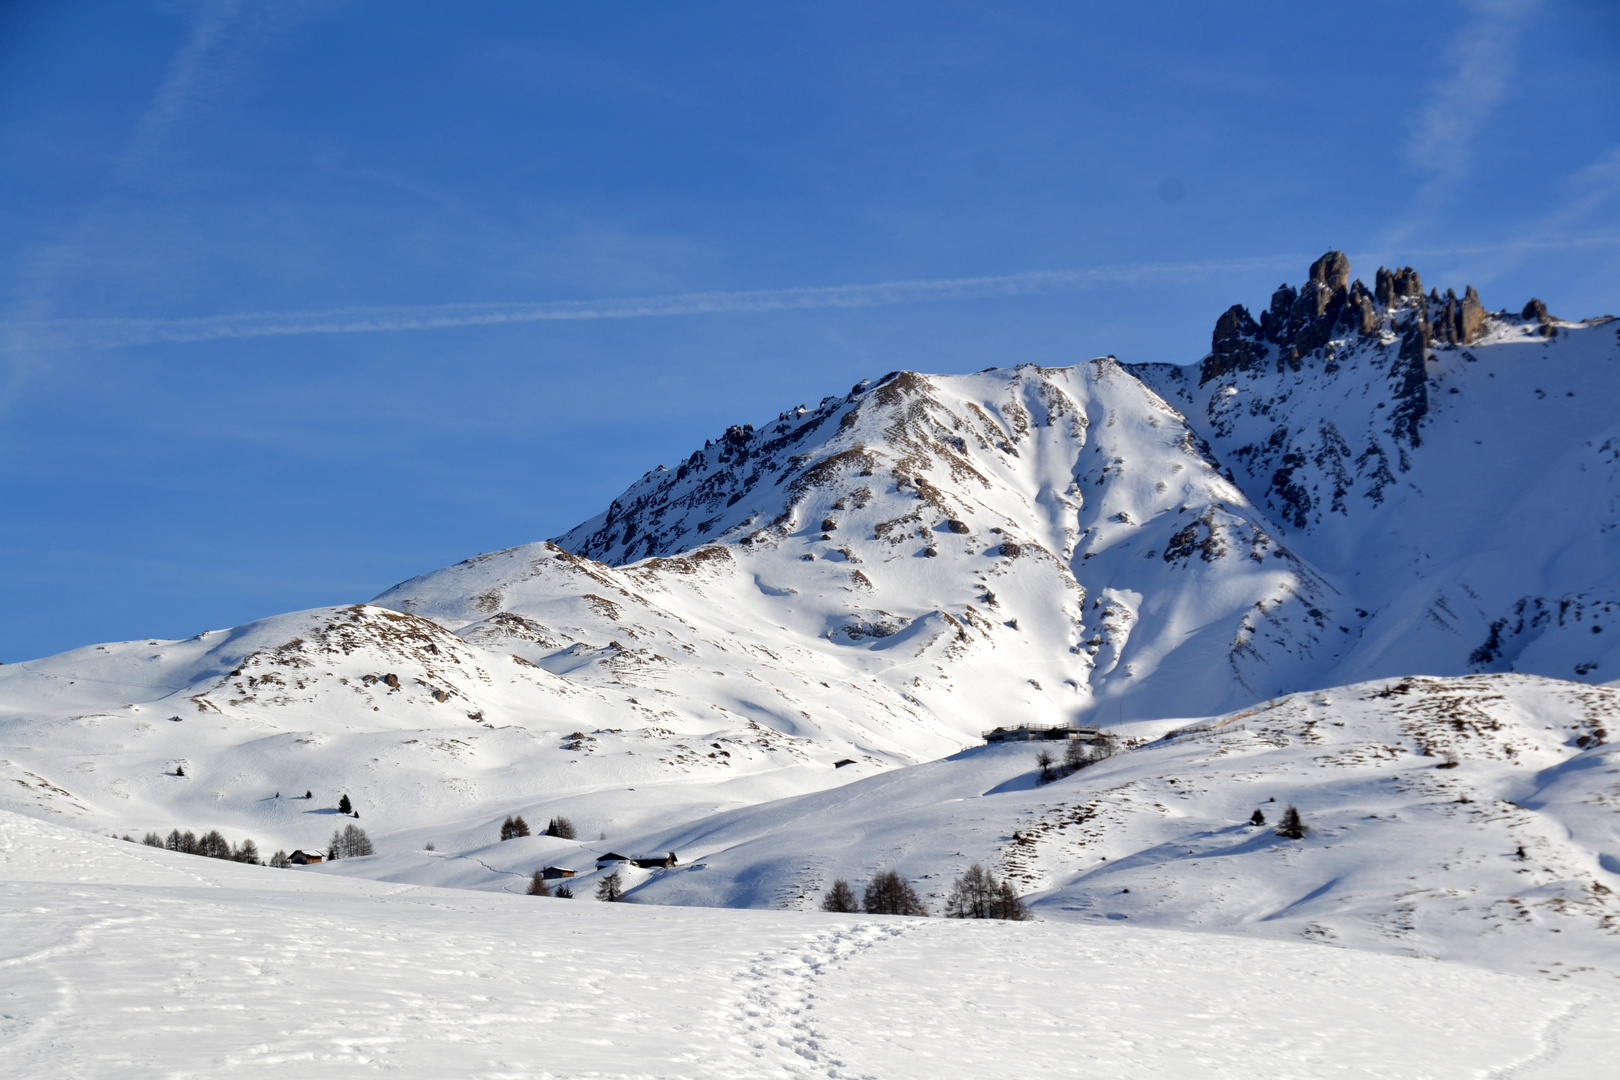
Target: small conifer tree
{"type": "Point", "coordinates": [538, 886]}
{"type": "Point", "coordinates": [280, 859]}
{"type": "Point", "coordinates": [610, 890]}
{"type": "Point", "coordinates": [179, 770]}
{"type": "Point", "coordinates": [1075, 756]}
{"type": "Point", "coordinates": [1291, 826]}
{"type": "Point", "coordinates": [345, 806]}
{"type": "Point", "coordinates": [1257, 818]}
{"type": "Point", "coordinates": [840, 898]}
{"type": "Point", "coordinates": [564, 892]}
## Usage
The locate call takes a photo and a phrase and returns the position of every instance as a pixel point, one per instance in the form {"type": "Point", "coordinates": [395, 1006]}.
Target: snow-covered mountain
{"type": "Point", "coordinates": [1362, 485]}
{"type": "Point", "coordinates": [1452, 472]}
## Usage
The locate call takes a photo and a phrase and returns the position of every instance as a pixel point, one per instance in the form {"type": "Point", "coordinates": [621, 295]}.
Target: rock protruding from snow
{"type": "Point", "coordinates": [1303, 323]}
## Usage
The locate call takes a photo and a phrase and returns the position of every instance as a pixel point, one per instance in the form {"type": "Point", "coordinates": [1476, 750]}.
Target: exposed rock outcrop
{"type": "Point", "coordinates": [1330, 307]}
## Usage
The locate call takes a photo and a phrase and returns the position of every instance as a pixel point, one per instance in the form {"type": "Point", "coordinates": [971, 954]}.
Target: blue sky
{"type": "Point", "coordinates": [299, 300]}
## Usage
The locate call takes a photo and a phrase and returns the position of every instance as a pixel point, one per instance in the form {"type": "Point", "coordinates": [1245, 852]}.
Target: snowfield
{"type": "Point", "coordinates": [1450, 818]}
{"type": "Point", "coordinates": [121, 960]}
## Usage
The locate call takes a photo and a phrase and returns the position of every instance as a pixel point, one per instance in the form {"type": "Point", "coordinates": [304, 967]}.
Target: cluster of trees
{"type": "Point", "coordinates": [1291, 826]}
{"type": "Point", "coordinates": [210, 844]}
{"type": "Point", "coordinates": [538, 886]}
{"type": "Point", "coordinates": [977, 894]}
{"type": "Point", "coordinates": [349, 842]}
{"type": "Point", "coordinates": [1077, 754]}
{"type": "Point", "coordinates": [514, 826]}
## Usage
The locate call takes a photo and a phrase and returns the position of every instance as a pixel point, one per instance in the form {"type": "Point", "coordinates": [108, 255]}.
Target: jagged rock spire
{"type": "Point", "coordinates": [1328, 306]}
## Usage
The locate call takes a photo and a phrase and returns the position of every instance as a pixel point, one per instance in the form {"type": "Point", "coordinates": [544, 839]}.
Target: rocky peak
{"type": "Point", "coordinates": [1329, 307]}
{"type": "Point", "coordinates": [1393, 286]}
{"type": "Point", "coordinates": [1332, 271]}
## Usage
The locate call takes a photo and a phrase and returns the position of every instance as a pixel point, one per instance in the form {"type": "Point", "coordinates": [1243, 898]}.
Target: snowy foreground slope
{"type": "Point", "coordinates": [120, 960]}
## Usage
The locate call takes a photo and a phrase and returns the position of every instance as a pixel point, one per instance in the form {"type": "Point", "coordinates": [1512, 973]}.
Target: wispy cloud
{"type": "Point", "coordinates": [96, 333]}
{"type": "Point", "coordinates": [1580, 197]}
{"type": "Point", "coordinates": [49, 264]}
{"type": "Point", "coordinates": [113, 333]}
{"type": "Point", "coordinates": [1480, 66]}
{"type": "Point", "coordinates": [1480, 63]}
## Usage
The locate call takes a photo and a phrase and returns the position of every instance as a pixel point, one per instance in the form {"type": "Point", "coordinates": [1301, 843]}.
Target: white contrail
{"type": "Point", "coordinates": [116, 333]}
{"type": "Point", "coordinates": [113, 333]}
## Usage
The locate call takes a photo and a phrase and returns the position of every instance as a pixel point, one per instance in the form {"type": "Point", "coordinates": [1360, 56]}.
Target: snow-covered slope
{"type": "Point", "coordinates": [126, 961]}
{"type": "Point", "coordinates": [1454, 473]}
{"type": "Point", "coordinates": [1366, 484]}
{"type": "Point", "coordinates": [1471, 819]}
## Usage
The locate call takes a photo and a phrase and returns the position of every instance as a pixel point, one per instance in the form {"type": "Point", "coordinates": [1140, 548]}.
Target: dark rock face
{"type": "Point", "coordinates": [1459, 321]}
{"type": "Point", "coordinates": [1237, 342]}
{"type": "Point", "coordinates": [1330, 307]}
{"type": "Point", "coordinates": [1363, 315]}
{"type": "Point", "coordinates": [1332, 270]}
{"type": "Point", "coordinates": [1536, 310]}
{"type": "Point", "coordinates": [1393, 286]}
{"type": "Point", "coordinates": [1470, 316]}
{"type": "Point", "coordinates": [1410, 384]}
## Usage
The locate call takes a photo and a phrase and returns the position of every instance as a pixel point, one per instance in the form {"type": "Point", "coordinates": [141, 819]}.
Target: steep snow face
{"type": "Point", "coordinates": [1456, 479]}
{"type": "Point", "coordinates": [1072, 507]}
